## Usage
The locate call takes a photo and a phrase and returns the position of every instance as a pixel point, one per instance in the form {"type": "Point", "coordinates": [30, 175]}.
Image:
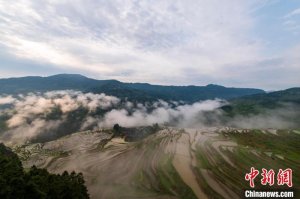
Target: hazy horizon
{"type": "Point", "coordinates": [174, 84]}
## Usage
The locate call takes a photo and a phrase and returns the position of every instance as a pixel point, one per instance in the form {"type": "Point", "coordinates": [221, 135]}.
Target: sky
{"type": "Point", "coordinates": [235, 43]}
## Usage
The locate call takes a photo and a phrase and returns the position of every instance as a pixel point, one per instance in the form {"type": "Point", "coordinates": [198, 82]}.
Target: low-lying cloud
{"type": "Point", "coordinates": [163, 113]}
{"type": "Point", "coordinates": [30, 115]}
{"type": "Point", "coordinates": [53, 114]}
{"type": "Point", "coordinates": [285, 117]}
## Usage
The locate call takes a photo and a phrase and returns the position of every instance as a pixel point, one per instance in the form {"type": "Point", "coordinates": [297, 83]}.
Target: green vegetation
{"type": "Point", "coordinates": [170, 181]}
{"type": "Point", "coordinates": [167, 180]}
{"type": "Point", "coordinates": [260, 103]}
{"type": "Point", "coordinates": [3, 126]}
{"type": "Point", "coordinates": [117, 130]}
{"type": "Point", "coordinates": [255, 148]}
{"type": "Point", "coordinates": [285, 143]}
{"type": "Point", "coordinates": [159, 176]}
{"type": "Point", "coordinates": [36, 183]}
{"type": "Point", "coordinates": [136, 133]}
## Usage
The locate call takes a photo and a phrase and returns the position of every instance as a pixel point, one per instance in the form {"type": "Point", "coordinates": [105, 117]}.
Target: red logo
{"type": "Point", "coordinates": [251, 176]}
{"type": "Point", "coordinates": [283, 177]}
{"type": "Point", "coordinates": [268, 177]}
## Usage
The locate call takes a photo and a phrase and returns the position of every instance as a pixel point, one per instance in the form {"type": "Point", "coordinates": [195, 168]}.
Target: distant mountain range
{"type": "Point", "coordinates": [242, 102]}
{"type": "Point", "coordinates": [132, 91]}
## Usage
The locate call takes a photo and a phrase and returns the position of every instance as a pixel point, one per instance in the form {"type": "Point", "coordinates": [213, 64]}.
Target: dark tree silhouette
{"type": "Point", "coordinates": [36, 183]}
{"type": "Point", "coordinates": [117, 129]}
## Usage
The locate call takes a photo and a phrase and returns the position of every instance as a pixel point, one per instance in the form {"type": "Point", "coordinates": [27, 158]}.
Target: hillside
{"type": "Point", "coordinates": [258, 103]}
{"type": "Point", "coordinates": [132, 91]}
{"type": "Point", "coordinates": [171, 163]}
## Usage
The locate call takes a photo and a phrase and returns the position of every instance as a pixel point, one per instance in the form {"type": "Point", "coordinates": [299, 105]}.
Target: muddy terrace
{"type": "Point", "coordinates": [171, 163]}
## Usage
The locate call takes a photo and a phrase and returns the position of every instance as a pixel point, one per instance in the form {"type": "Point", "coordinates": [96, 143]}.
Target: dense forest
{"type": "Point", "coordinates": [36, 183]}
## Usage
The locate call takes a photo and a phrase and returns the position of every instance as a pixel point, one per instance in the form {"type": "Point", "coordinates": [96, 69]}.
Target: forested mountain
{"type": "Point", "coordinates": [258, 103]}
{"type": "Point", "coordinates": [132, 91]}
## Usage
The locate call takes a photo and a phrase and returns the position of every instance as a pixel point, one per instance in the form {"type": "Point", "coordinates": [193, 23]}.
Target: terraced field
{"type": "Point", "coordinates": [172, 163]}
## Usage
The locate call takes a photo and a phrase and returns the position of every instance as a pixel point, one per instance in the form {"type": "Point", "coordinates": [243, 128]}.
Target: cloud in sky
{"type": "Point", "coordinates": [165, 42]}
{"type": "Point", "coordinates": [292, 21]}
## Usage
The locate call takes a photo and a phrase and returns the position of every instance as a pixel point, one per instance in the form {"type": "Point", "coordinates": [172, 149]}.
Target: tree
{"type": "Point", "coordinates": [37, 183]}
{"type": "Point", "coordinates": [117, 129]}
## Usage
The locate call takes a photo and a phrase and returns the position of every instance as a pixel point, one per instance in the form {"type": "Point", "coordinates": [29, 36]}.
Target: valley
{"type": "Point", "coordinates": [149, 99]}
{"type": "Point", "coordinates": [171, 163]}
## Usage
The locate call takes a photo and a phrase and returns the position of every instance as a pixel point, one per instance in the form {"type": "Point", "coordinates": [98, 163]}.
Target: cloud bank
{"type": "Point", "coordinates": [53, 114]}
{"type": "Point", "coordinates": [36, 113]}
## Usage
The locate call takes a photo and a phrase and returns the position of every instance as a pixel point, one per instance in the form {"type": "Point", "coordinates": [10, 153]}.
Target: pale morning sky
{"type": "Point", "coordinates": [240, 43]}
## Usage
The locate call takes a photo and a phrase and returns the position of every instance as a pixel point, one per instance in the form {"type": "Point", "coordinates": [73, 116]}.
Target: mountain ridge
{"type": "Point", "coordinates": [133, 91]}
